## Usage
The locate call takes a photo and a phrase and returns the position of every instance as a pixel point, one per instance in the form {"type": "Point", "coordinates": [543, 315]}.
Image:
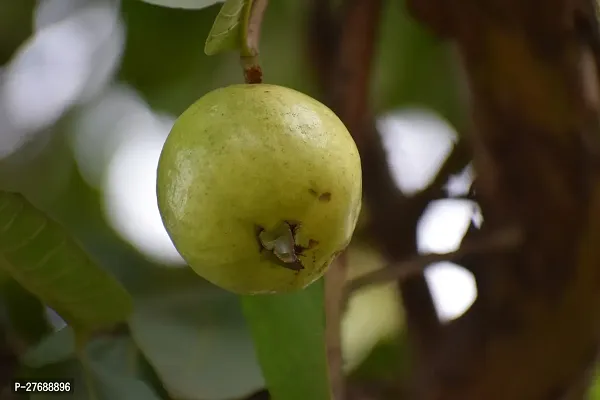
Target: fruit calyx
{"type": "Point", "coordinates": [281, 242]}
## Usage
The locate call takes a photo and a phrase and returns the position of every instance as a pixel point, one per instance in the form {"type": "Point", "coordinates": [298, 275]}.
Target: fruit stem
{"type": "Point", "coordinates": [250, 41]}
{"type": "Point", "coordinates": [252, 69]}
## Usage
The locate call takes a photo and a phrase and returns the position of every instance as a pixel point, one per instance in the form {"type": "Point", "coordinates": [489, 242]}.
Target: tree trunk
{"type": "Point", "coordinates": [532, 73]}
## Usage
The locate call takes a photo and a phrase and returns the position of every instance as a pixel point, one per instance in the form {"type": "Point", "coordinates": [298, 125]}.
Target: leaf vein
{"type": "Point", "coordinates": [49, 254]}
{"type": "Point", "coordinates": [28, 240]}
{"type": "Point", "coordinates": [6, 227]}
{"type": "Point", "coordinates": [228, 30]}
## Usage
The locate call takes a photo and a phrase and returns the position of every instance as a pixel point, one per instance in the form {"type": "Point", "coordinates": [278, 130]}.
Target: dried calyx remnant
{"type": "Point", "coordinates": [281, 242]}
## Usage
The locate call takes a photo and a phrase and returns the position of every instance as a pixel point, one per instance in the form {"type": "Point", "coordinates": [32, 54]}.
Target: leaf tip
{"type": "Point", "coordinates": [209, 49]}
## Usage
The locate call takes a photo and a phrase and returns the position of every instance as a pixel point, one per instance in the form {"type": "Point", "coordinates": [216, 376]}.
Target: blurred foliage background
{"type": "Point", "coordinates": [88, 92]}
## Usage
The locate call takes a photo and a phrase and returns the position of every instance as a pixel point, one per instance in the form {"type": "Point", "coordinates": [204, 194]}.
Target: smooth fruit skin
{"type": "Point", "coordinates": [247, 158]}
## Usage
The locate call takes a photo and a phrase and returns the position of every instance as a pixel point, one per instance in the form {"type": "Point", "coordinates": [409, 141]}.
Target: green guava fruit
{"type": "Point", "coordinates": [259, 187]}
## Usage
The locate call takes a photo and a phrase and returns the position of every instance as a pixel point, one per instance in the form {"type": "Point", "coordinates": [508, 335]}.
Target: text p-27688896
{"type": "Point", "coordinates": [31, 386]}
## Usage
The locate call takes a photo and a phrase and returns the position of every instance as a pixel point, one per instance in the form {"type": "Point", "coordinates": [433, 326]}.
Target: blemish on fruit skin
{"type": "Point", "coordinates": [295, 266]}
{"type": "Point", "coordinates": [311, 245]}
{"type": "Point", "coordinates": [325, 197]}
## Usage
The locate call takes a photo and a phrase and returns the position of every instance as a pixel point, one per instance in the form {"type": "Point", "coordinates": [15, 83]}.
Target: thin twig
{"type": "Point", "coordinates": [334, 308]}
{"type": "Point", "coordinates": [500, 241]}
{"type": "Point", "coordinates": [254, 25]}
{"type": "Point", "coordinates": [397, 232]}
{"type": "Point", "coordinates": [347, 92]}
{"type": "Point", "coordinates": [341, 49]}
{"type": "Point", "coordinates": [250, 45]}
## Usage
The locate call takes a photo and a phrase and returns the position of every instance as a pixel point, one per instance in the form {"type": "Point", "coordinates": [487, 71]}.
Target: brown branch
{"type": "Point", "coordinates": [341, 47]}
{"type": "Point", "coordinates": [323, 33]}
{"type": "Point", "coordinates": [349, 93]}
{"type": "Point", "coordinates": [343, 51]}
{"type": "Point", "coordinates": [534, 330]}
{"type": "Point", "coordinates": [393, 218]}
{"type": "Point", "coordinates": [456, 162]}
{"type": "Point", "coordinates": [505, 240]}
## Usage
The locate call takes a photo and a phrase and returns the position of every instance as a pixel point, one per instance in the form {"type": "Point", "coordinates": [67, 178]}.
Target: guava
{"type": "Point", "coordinates": [259, 187]}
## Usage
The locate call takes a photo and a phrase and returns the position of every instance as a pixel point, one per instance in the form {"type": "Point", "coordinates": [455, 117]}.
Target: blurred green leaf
{"type": "Point", "coordinates": [40, 169]}
{"type": "Point", "coordinates": [226, 33]}
{"type": "Point", "coordinates": [187, 4]}
{"type": "Point", "coordinates": [113, 369]}
{"type": "Point", "coordinates": [289, 334]}
{"type": "Point", "coordinates": [54, 348]}
{"type": "Point", "coordinates": [15, 26]}
{"type": "Point", "coordinates": [39, 254]}
{"type": "Point", "coordinates": [26, 314]}
{"type": "Point", "coordinates": [389, 361]}
{"type": "Point", "coordinates": [362, 329]}
{"type": "Point", "coordinates": [413, 68]}
{"type": "Point", "coordinates": [166, 67]}
{"type": "Point", "coordinates": [169, 70]}
{"type": "Point", "coordinates": [594, 391]}
{"type": "Point", "coordinates": [195, 337]}
{"type": "Point", "coordinates": [108, 372]}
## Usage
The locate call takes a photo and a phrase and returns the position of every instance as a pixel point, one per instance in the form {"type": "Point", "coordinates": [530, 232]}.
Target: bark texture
{"type": "Point", "coordinates": [531, 68]}
{"type": "Point", "coordinates": [533, 332]}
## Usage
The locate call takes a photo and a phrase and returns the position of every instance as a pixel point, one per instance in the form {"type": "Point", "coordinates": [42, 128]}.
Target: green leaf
{"type": "Point", "coordinates": [186, 4]}
{"type": "Point", "coordinates": [227, 31]}
{"type": "Point", "coordinates": [107, 371]}
{"type": "Point", "coordinates": [389, 361]}
{"type": "Point", "coordinates": [113, 370]}
{"type": "Point", "coordinates": [54, 348]}
{"type": "Point", "coordinates": [26, 314]}
{"type": "Point", "coordinates": [414, 68]}
{"type": "Point", "coordinates": [289, 334]}
{"type": "Point", "coordinates": [594, 393]}
{"type": "Point", "coordinates": [357, 342]}
{"type": "Point", "coordinates": [195, 337]}
{"type": "Point", "coordinates": [40, 169]}
{"type": "Point", "coordinates": [39, 254]}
